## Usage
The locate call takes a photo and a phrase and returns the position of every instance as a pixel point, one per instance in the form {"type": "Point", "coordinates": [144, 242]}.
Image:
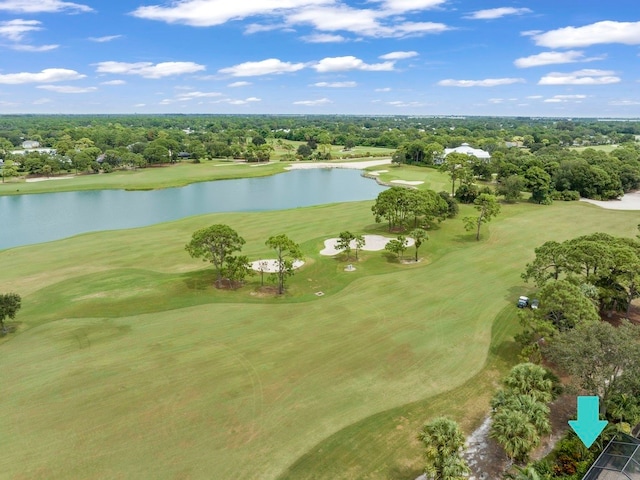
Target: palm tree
{"type": "Point", "coordinates": [515, 433]}
{"type": "Point", "coordinates": [419, 236]}
{"type": "Point", "coordinates": [624, 408]}
{"type": "Point", "coordinates": [538, 413]}
{"type": "Point", "coordinates": [530, 379]}
{"type": "Point", "coordinates": [524, 473]}
{"type": "Point", "coordinates": [443, 443]}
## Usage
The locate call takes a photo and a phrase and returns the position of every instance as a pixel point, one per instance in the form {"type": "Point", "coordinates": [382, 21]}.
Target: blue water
{"type": "Point", "coordinates": [28, 219]}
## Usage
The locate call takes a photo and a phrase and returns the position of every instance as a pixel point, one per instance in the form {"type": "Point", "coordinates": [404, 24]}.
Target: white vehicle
{"type": "Point", "coordinates": [523, 302]}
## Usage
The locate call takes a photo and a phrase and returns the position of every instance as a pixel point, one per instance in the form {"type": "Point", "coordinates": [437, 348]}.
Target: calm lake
{"type": "Point", "coordinates": [28, 219]}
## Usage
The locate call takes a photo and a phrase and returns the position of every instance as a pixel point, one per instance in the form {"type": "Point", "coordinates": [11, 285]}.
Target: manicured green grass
{"type": "Point", "coordinates": [127, 364]}
{"type": "Point", "coordinates": [604, 148]}
{"type": "Point", "coordinates": [147, 178]}
{"type": "Point", "coordinates": [337, 151]}
{"type": "Point", "coordinates": [433, 179]}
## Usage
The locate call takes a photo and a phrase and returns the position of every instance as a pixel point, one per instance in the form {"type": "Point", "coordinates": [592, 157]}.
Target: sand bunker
{"type": "Point", "coordinates": [270, 265]}
{"type": "Point", "coordinates": [355, 165]}
{"type": "Point", "coordinates": [372, 243]}
{"type": "Point", "coordinates": [375, 173]}
{"type": "Point", "coordinates": [407, 182]}
{"type": "Point", "coordinates": [31, 180]}
{"type": "Point", "coordinates": [630, 201]}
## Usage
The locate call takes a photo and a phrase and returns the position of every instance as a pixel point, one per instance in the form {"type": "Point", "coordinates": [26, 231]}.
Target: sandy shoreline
{"type": "Point", "coordinates": [353, 165]}
{"type": "Point", "coordinates": [629, 201]}
{"type": "Point", "coordinates": [40, 179]}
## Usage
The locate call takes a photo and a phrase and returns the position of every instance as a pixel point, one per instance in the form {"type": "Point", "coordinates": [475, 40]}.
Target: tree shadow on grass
{"type": "Point", "coordinates": [403, 472]}
{"type": "Point", "coordinates": [516, 291]}
{"type": "Point", "coordinates": [199, 280]}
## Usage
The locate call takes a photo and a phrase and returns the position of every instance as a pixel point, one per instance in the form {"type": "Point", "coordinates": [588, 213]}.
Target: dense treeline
{"type": "Point", "coordinates": [110, 131]}
{"type": "Point", "coordinates": [531, 152]}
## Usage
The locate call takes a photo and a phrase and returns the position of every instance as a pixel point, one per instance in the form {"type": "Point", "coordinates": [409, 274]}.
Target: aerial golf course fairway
{"type": "Point", "coordinates": [128, 364]}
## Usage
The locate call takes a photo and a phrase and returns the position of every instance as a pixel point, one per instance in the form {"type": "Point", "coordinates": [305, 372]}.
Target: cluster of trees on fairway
{"type": "Point", "coordinates": [604, 267]}
{"type": "Point", "coordinates": [10, 303]}
{"type": "Point", "coordinates": [348, 241]}
{"type": "Point", "coordinates": [217, 243]}
{"type": "Point", "coordinates": [581, 281]}
{"type": "Point", "coordinates": [403, 207]}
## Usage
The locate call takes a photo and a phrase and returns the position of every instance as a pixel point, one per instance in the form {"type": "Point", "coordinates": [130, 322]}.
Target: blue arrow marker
{"type": "Point", "coordinates": [588, 425]}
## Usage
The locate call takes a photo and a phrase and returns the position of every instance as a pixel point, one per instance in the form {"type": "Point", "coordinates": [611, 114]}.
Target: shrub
{"type": "Point", "coordinates": [467, 193]}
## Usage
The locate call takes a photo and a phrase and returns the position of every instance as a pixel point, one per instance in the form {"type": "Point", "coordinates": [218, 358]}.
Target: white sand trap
{"type": "Point", "coordinates": [262, 164]}
{"type": "Point", "coordinates": [32, 180]}
{"type": "Point", "coordinates": [629, 201]}
{"type": "Point", "coordinates": [270, 265]}
{"type": "Point", "coordinates": [355, 165]}
{"type": "Point", "coordinates": [375, 173]}
{"type": "Point", "coordinates": [372, 243]}
{"type": "Point", "coordinates": [407, 182]}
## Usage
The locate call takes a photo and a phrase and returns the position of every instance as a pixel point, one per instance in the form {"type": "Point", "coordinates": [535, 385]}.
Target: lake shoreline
{"type": "Point", "coordinates": [42, 185]}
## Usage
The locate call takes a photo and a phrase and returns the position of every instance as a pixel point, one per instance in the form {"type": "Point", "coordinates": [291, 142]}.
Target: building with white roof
{"type": "Point", "coordinates": [468, 150]}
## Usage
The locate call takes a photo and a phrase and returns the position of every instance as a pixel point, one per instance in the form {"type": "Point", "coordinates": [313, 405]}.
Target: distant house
{"type": "Point", "coordinates": [28, 144]}
{"type": "Point", "coordinates": [50, 151]}
{"type": "Point", "coordinates": [468, 150]}
{"type": "Point", "coordinates": [184, 155]}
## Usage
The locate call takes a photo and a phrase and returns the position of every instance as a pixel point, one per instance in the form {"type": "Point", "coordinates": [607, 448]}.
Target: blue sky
{"type": "Point", "coordinates": [409, 57]}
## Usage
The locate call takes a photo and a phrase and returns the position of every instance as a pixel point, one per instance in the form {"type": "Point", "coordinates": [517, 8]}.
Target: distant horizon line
{"type": "Point", "coordinates": [347, 115]}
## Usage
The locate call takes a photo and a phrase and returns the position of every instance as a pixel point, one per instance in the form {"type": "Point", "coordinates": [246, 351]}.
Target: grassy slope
{"type": "Point", "coordinates": [146, 178]}
{"type": "Point", "coordinates": [432, 178]}
{"type": "Point", "coordinates": [128, 364]}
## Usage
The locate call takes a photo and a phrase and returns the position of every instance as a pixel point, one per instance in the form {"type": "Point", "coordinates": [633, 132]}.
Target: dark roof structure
{"type": "Point", "coordinates": [620, 460]}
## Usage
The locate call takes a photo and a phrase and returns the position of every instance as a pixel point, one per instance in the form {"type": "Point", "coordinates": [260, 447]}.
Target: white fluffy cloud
{"type": "Point", "coordinates": [269, 66]}
{"type": "Point", "coordinates": [41, 6]}
{"type": "Point", "coordinates": [193, 95]}
{"type": "Point", "coordinates": [207, 13]}
{"type": "Point", "coordinates": [349, 62]}
{"type": "Point", "coordinates": [47, 75]}
{"type": "Point", "coordinates": [148, 69]}
{"type": "Point", "coordinates": [323, 15]}
{"type": "Point", "coordinates": [551, 58]}
{"type": "Point", "coordinates": [323, 38]}
{"type": "Point", "coordinates": [246, 101]}
{"type": "Point", "coordinates": [493, 13]}
{"type": "Point", "coordinates": [114, 82]}
{"type": "Point", "coordinates": [32, 48]}
{"type": "Point", "coordinates": [67, 89]}
{"type": "Point", "coordinates": [335, 84]}
{"type": "Point", "coordinates": [106, 38]}
{"type": "Point", "coordinates": [488, 82]}
{"type": "Point", "coordinates": [565, 99]}
{"type": "Point", "coordinates": [597, 33]}
{"type": "Point", "coordinates": [313, 103]}
{"type": "Point", "coordinates": [239, 84]}
{"type": "Point", "coordinates": [398, 55]}
{"type": "Point", "coordinates": [16, 30]}
{"type": "Point", "coordinates": [581, 77]}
